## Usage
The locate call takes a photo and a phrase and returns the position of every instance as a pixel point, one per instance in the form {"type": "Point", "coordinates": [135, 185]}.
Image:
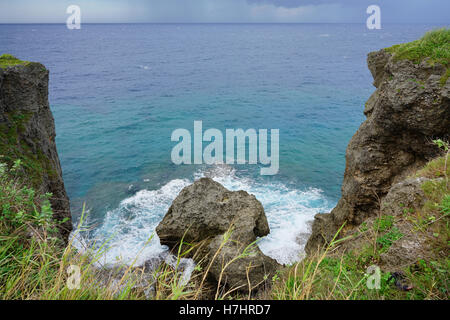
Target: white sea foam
{"type": "Point", "coordinates": [289, 212]}
{"type": "Point", "coordinates": [130, 227]}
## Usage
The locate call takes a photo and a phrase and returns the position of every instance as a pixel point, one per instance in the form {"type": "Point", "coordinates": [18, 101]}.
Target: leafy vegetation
{"type": "Point", "coordinates": [386, 240]}
{"type": "Point", "coordinates": [33, 261]}
{"type": "Point", "coordinates": [384, 223]}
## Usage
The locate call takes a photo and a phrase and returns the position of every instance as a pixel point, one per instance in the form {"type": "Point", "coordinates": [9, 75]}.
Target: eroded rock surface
{"type": "Point", "coordinates": [229, 222]}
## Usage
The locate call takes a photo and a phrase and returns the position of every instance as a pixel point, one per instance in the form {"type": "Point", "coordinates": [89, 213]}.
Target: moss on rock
{"type": "Point", "coordinates": [8, 60]}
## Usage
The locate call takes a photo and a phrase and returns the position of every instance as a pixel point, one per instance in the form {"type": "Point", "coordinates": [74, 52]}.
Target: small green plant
{"type": "Point", "coordinates": [445, 205]}
{"type": "Point", "coordinates": [386, 240]}
{"type": "Point", "coordinates": [363, 228]}
{"type": "Point", "coordinates": [383, 223]}
{"type": "Point", "coordinates": [430, 278]}
{"type": "Point", "coordinates": [20, 206]}
{"type": "Point", "coordinates": [441, 144]}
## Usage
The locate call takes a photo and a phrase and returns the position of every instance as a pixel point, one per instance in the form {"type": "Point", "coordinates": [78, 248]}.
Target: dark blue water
{"type": "Point", "coordinates": [118, 91]}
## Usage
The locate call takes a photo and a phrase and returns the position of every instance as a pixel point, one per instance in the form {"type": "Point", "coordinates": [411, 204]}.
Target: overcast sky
{"type": "Point", "coordinates": [393, 11]}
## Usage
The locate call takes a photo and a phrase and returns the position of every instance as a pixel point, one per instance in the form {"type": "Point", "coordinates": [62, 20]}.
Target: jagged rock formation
{"type": "Point", "coordinates": [410, 107]}
{"type": "Point", "coordinates": [206, 211]}
{"type": "Point", "coordinates": [27, 132]}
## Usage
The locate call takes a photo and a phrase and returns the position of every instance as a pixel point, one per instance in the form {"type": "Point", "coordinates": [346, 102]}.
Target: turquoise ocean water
{"type": "Point", "coordinates": [118, 91]}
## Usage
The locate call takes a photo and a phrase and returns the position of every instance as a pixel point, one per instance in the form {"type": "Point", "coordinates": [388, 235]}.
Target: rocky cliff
{"type": "Point", "coordinates": [27, 132]}
{"type": "Point", "coordinates": [410, 108]}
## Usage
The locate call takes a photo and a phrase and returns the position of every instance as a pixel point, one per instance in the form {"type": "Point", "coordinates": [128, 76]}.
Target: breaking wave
{"type": "Point", "coordinates": [130, 228]}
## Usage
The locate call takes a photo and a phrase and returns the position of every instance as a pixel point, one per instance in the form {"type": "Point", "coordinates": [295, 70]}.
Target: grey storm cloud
{"type": "Point", "coordinates": [299, 3]}
{"type": "Point", "coordinates": [400, 11]}
{"type": "Point", "coordinates": [393, 11]}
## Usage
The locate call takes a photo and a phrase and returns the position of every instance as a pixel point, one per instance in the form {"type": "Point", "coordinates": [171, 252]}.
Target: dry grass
{"type": "Point", "coordinates": [36, 267]}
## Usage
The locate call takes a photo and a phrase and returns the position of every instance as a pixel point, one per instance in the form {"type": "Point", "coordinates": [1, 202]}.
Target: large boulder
{"type": "Point", "coordinates": [230, 223]}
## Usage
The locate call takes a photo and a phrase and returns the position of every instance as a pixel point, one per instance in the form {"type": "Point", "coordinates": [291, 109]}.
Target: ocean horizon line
{"type": "Point", "coordinates": [224, 23]}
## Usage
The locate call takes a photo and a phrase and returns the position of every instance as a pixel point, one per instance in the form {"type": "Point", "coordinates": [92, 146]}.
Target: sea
{"type": "Point", "coordinates": [118, 91]}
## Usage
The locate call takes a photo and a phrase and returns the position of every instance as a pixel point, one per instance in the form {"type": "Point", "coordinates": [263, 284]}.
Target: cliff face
{"type": "Point", "coordinates": [27, 132]}
{"type": "Point", "coordinates": [410, 107]}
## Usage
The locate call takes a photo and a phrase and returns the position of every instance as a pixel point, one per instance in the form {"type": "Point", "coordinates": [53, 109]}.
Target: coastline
{"type": "Point", "coordinates": [356, 215]}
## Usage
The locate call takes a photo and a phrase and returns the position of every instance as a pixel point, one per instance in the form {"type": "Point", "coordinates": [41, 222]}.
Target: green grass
{"type": "Point", "coordinates": [341, 273]}
{"type": "Point", "coordinates": [8, 60]}
{"type": "Point", "coordinates": [344, 275]}
{"type": "Point", "coordinates": [434, 169]}
{"type": "Point", "coordinates": [434, 46]}
{"type": "Point", "coordinates": [33, 260]}
{"type": "Point", "coordinates": [35, 266]}
{"type": "Point", "coordinates": [34, 263]}
{"type": "Point", "coordinates": [331, 276]}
